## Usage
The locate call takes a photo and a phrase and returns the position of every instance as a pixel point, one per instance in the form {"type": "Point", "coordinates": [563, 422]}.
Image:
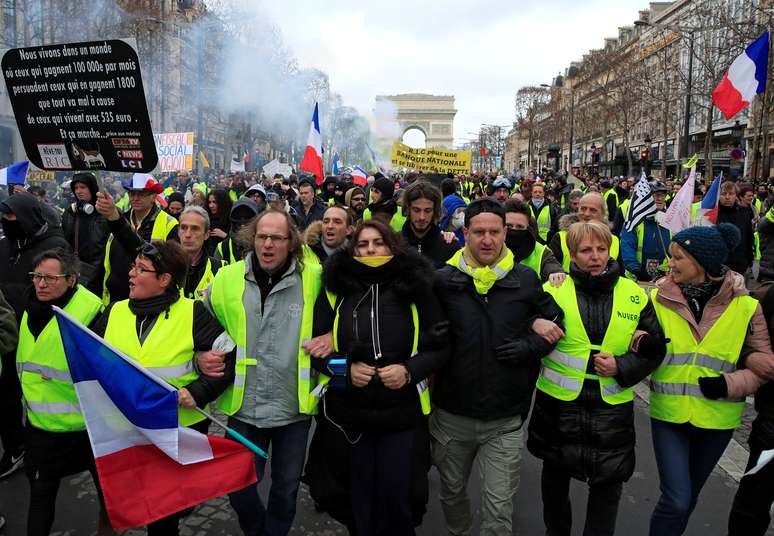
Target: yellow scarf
{"type": "Point", "coordinates": [375, 261]}
{"type": "Point", "coordinates": [484, 277]}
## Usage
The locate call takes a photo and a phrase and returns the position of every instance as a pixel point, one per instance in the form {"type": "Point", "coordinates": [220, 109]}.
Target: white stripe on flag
{"type": "Point", "coordinates": [110, 431]}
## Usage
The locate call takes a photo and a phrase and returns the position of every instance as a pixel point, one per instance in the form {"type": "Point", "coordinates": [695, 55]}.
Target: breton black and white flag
{"type": "Point", "coordinates": [641, 205]}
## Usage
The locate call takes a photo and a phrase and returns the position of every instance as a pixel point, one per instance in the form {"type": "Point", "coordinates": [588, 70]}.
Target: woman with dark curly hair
{"type": "Point", "coordinates": [369, 457]}
{"type": "Point", "coordinates": [219, 208]}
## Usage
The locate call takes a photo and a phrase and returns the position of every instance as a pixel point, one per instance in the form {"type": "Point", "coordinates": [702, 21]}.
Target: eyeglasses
{"type": "Point", "coordinates": [274, 238]}
{"type": "Point", "coordinates": [50, 279]}
{"type": "Point", "coordinates": [140, 270]}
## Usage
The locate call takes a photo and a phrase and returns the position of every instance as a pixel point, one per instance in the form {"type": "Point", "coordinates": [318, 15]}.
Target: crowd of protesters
{"type": "Point", "coordinates": [413, 319]}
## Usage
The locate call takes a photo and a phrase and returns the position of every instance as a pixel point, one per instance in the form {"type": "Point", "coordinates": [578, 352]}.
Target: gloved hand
{"type": "Point", "coordinates": [517, 351]}
{"type": "Point", "coordinates": [713, 387]}
{"type": "Point", "coordinates": [652, 346]}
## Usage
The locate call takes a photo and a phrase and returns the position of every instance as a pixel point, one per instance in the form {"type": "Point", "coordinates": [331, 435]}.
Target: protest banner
{"type": "Point", "coordinates": [175, 150]}
{"type": "Point", "coordinates": [276, 167]}
{"type": "Point", "coordinates": [81, 106]}
{"type": "Point", "coordinates": [437, 160]}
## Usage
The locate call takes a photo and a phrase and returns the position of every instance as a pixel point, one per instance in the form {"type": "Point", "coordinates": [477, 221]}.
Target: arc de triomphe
{"type": "Point", "coordinates": [432, 114]}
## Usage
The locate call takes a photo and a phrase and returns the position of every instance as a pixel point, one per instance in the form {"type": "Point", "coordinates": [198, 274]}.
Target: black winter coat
{"type": "Point", "coordinates": [588, 438]}
{"type": "Point", "coordinates": [762, 435]}
{"type": "Point", "coordinates": [432, 245]}
{"type": "Point", "coordinates": [26, 238]}
{"type": "Point", "coordinates": [475, 383]}
{"type": "Point", "coordinates": [123, 250]}
{"type": "Point", "coordinates": [741, 258]}
{"type": "Point", "coordinates": [87, 234]}
{"type": "Point", "coordinates": [388, 291]}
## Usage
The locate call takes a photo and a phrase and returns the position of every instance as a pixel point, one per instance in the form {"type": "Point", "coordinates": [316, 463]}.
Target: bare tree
{"type": "Point", "coordinates": [530, 102]}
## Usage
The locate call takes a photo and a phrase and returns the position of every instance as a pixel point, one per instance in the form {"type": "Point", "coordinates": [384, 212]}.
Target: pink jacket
{"type": "Point", "coordinates": [757, 345]}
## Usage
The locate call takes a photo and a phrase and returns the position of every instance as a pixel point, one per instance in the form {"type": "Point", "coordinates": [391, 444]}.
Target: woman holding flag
{"type": "Point", "coordinates": [55, 437]}
{"type": "Point", "coordinates": [161, 331]}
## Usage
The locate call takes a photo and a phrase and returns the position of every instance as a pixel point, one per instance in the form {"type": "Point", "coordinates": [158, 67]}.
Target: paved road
{"type": "Point", "coordinates": [77, 502]}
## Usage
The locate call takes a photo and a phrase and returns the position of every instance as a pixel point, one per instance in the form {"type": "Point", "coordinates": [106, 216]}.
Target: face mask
{"type": "Point", "coordinates": [537, 202]}
{"type": "Point", "coordinates": [12, 230]}
{"type": "Point", "coordinates": [520, 242]}
{"type": "Point", "coordinates": [458, 220]}
{"type": "Point", "coordinates": [85, 207]}
{"type": "Point", "coordinates": [375, 261]}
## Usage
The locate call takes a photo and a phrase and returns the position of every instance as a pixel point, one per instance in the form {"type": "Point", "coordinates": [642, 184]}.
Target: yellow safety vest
{"type": "Point", "coordinates": [607, 194]}
{"type": "Point", "coordinates": [49, 394]}
{"type": "Point", "coordinates": [615, 248]}
{"type": "Point", "coordinates": [543, 218]}
{"type": "Point", "coordinates": [535, 259]}
{"type": "Point", "coordinates": [226, 298]}
{"type": "Point", "coordinates": [168, 350]}
{"type": "Point", "coordinates": [564, 369]}
{"type": "Point", "coordinates": [162, 226]}
{"type": "Point", "coordinates": [422, 387]}
{"type": "Point", "coordinates": [204, 282]}
{"type": "Point", "coordinates": [675, 395]}
{"type": "Point", "coordinates": [396, 223]}
{"type": "Point", "coordinates": [230, 258]}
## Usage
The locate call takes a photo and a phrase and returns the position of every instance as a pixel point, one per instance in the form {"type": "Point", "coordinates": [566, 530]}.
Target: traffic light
{"type": "Point", "coordinates": [644, 154]}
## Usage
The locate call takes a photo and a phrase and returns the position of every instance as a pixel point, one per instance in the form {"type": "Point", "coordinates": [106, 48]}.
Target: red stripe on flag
{"type": "Point", "coordinates": [727, 98]}
{"type": "Point", "coordinates": [142, 484]}
{"type": "Point", "coordinates": [312, 163]}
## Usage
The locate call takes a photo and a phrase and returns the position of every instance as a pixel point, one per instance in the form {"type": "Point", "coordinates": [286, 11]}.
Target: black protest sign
{"type": "Point", "coordinates": [81, 106]}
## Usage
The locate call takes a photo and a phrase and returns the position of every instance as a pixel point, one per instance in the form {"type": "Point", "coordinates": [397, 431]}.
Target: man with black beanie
{"type": "Point", "coordinates": [86, 230]}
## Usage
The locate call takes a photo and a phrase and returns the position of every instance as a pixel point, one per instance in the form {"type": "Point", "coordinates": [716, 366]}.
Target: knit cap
{"type": "Point", "coordinates": [385, 186]}
{"type": "Point", "coordinates": [709, 246]}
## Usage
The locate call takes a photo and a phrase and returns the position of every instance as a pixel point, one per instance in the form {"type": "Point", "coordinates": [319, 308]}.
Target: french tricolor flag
{"type": "Point", "coordinates": [312, 161]}
{"type": "Point", "coordinates": [149, 467]}
{"type": "Point", "coordinates": [708, 211]}
{"type": "Point", "coordinates": [744, 79]}
{"type": "Point", "coordinates": [359, 176]}
{"type": "Point", "coordinates": [14, 174]}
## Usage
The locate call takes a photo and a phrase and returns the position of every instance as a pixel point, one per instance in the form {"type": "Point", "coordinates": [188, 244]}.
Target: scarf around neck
{"type": "Point", "coordinates": [484, 277]}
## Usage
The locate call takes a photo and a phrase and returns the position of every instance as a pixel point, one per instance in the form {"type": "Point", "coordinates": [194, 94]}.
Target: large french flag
{"type": "Point", "coordinates": [312, 161]}
{"type": "Point", "coordinates": [745, 78]}
{"type": "Point", "coordinates": [149, 467]}
{"type": "Point", "coordinates": [14, 174]}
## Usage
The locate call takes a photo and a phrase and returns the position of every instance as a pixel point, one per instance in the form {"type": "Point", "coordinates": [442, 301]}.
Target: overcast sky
{"type": "Point", "coordinates": [479, 51]}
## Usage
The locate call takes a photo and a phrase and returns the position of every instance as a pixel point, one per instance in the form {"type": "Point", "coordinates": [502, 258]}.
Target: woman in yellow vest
{"type": "Point", "coordinates": [710, 322]}
{"type": "Point", "coordinates": [368, 460]}
{"type": "Point", "coordinates": [55, 437]}
{"type": "Point", "coordinates": [162, 330]}
{"type": "Point", "coordinates": [582, 425]}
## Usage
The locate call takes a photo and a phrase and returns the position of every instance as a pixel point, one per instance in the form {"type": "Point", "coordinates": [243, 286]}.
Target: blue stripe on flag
{"type": "Point", "coordinates": [710, 199]}
{"type": "Point", "coordinates": [145, 403]}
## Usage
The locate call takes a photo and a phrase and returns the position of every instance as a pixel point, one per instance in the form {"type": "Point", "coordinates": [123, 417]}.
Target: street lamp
{"type": "Point", "coordinates": [689, 84]}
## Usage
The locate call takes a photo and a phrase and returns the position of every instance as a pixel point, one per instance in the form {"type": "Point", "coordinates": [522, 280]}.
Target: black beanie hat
{"type": "Point", "coordinates": [710, 246]}
{"type": "Point", "coordinates": [385, 186]}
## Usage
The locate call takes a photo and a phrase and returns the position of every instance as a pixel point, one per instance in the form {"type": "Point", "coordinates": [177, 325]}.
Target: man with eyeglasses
{"type": "Point", "coordinates": [266, 304]}
{"type": "Point", "coordinates": [145, 221]}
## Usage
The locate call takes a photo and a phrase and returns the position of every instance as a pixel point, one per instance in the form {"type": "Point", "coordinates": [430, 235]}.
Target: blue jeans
{"type": "Point", "coordinates": [685, 456]}
{"type": "Point", "coordinates": [288, 451]}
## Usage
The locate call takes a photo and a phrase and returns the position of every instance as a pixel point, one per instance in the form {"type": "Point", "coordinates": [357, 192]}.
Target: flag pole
{"type": "Point", "coordinates": [236, 435]}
